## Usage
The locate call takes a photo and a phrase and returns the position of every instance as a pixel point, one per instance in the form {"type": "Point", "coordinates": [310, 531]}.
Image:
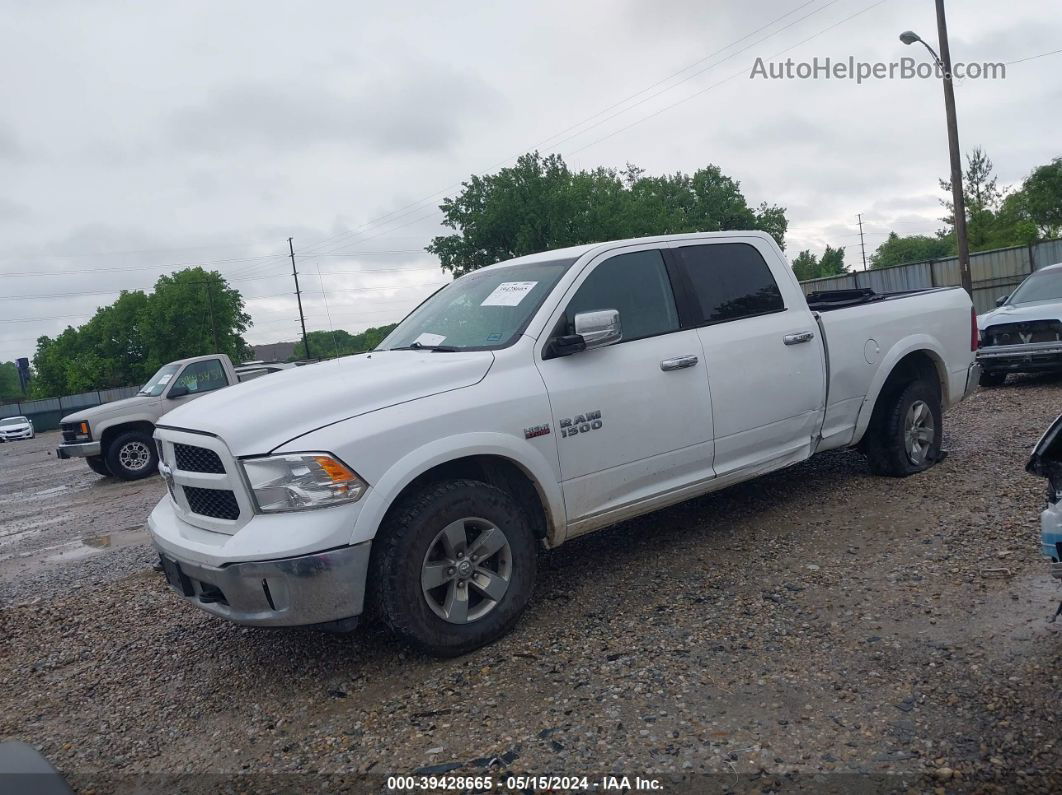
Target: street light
{"type": "Point", "coordinates": [958, 201]}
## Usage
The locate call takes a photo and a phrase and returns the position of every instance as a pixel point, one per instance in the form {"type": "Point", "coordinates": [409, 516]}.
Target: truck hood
{"type": "Point", "coordinates": [1041, 310]}
{"type": "Point", "coordinates": [104, 410]}
{"type": "Point", "coordinates": [260, 415]}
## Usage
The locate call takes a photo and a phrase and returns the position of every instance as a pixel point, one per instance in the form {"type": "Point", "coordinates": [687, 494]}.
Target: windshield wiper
{"type": "Point", "coordinates": [419, 346]}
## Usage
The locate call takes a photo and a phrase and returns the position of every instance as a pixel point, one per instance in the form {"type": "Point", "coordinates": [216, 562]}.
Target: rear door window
{"type": "Point", "coordinates": [730, 281]}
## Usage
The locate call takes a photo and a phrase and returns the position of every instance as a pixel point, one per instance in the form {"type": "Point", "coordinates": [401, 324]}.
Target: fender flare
{"type": "Point", "coordinates": [908, 345]}
{"type": "Point", "coordinates": [382, 494]}
{"type": "Point", "coordinates": [118, 422]}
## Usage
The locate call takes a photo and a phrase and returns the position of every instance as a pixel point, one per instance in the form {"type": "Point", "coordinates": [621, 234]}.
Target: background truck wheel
{"type": "Point", "coordinates": [906, 430]}
{"type": "Point", "coordinates": [453, 567]}
{"type": "Point", "coordinates": [992, 379]}
{"type": "Point", "coordinates": [98, 465]}
{"type": "Point", "coordinates": [132, 456]}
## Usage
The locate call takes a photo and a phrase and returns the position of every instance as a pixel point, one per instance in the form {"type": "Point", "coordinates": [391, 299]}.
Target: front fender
{"type": "Point", "coordinates": [383, 493]}
{"type": "Point", "coordinates": [908, 345]}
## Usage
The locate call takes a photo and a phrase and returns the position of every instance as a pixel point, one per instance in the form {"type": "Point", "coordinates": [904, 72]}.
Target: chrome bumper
{"type": "Point", "coordinates": [77, 450]}
{"type": "Point", "coordinates": [1038, 355]}
{"type": "Point", "coordinates": [310, 589]}
{"type": "Point", "coordinates": [1056, 571]}
{"type": "Point", "coordinates": [973, 376]}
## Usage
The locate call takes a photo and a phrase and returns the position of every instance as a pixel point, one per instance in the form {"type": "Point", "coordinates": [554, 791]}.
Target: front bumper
{"type": "Point", "coordinates": [1051, 537]}
{"type": "Point", "coordinates": [7, 436]}
{"type": "Point", "coordinates": [77, 450]}
{"type": "Point", "coordinates": [318, 588]}
{"type": "Point", "coordinates": [1027, 358]}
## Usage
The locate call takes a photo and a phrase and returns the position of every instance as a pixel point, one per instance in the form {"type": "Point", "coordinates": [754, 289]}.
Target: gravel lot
{"type": "Point", "coordinates": [791, 633]}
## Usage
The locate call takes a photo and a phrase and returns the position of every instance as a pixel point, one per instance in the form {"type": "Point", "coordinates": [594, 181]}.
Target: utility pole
{"type": "Point", "coordinates": [862, 243]}
{"type": "Point", "coordinates": [298, 296]}
{"type": "Point", "coordinates": [956, 158]}
{"type": "Point", "coordinates": [213, 327]}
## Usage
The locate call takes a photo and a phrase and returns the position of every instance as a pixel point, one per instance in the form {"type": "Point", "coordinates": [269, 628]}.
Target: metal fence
{"type": "Point", "coordinates": [995, 273]}
{"type": "Point", "coordinates": [47, 413]}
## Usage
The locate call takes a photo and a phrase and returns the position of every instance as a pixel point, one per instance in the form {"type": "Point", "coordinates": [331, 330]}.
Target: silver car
{"type": "Point", "coordinates": [12, 428]}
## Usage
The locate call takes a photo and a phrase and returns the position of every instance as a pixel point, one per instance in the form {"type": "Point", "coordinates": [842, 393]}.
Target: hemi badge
{"type": "Point", "coordinates": [536, 430]}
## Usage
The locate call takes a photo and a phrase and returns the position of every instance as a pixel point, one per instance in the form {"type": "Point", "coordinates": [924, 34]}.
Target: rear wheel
{"type": "Point", "coordinates": [906, 430]}
{"type": "Point", "coordinates": [98, 465]}
{"type": "Point", "coordinates": [132, 456]}
{"type": "Point", "coordinates": [989, 378]}
{"type": "Point", "coordinates": [453, 567]}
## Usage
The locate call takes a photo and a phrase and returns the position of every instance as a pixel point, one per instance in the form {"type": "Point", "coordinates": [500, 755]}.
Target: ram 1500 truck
{"type": "Point", "coordinates": [115, 438]}
{"type": "Point", "coordinates": [525, 404]}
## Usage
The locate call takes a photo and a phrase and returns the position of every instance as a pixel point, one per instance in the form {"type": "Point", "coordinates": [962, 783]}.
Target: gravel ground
{"type": "Point", "coordinates": [63, 527]}
{"type": "Point", "coordinates": [797, 632]}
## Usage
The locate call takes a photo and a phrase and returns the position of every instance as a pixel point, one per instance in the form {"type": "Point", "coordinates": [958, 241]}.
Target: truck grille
{"type": "Point", "coordinates": [70, 431]}
{"type": "Point", "coordinates": [1023, 333]}
{"type": "Point", "coordinates": [215, 503]}
{"type": "Point", "coordinates": [197, 459]}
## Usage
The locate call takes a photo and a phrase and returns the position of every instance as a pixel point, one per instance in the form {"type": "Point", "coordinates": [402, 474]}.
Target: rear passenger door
{"type": "Point", "coordinates": [765, 362]}
{"type": "Point", "coordinates": [632, 419]}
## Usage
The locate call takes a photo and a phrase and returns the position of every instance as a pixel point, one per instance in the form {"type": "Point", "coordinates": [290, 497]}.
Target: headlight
{"type": "Point", "coordinates": [300, 481]}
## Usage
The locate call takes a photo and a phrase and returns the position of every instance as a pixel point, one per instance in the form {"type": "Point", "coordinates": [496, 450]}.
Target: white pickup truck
{"type": "Point", "coordinates": [115, 438]}
{"type": "Point", "coordinates": [531, 402]}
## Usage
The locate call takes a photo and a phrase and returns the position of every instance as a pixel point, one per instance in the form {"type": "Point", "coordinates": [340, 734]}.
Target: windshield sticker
{"type": "Point", "coordinates": [429, 339]}
{"type": "Point", "coordinates": [508, 294]}
{"type": "Point", "coordinates": [495, 337]}
{"type": "Point", "coordinates": [166, 378]}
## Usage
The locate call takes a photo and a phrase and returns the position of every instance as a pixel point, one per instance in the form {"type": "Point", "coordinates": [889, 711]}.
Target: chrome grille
{"type": "Point", "coordinates": [215, 503]}
{"type": "Point", "coordinates": [1022, 333]}
{"type": "Point", "coordinates": [197, 459]}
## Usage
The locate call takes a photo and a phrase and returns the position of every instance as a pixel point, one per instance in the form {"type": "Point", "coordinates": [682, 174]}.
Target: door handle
{"type": "Point", "coordinates": [796, 339]}
{"type": "Point", "coordinates": [678, 363]}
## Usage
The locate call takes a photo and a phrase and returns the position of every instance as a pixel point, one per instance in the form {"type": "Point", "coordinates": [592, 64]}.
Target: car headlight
{"type": "Point", "coordinates": [302, 480]}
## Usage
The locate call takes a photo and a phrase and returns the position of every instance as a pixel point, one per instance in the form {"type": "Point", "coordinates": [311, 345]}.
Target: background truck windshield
{"type": "Point", "coordinates": [1043, 286]}
{"type": "Point", "coordinates": [158, 381]}
{"type": "Point", "coordinates": [481, 311]}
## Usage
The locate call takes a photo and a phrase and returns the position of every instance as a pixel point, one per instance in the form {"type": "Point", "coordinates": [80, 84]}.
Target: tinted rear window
{"type": "Point", "coordinates": [730, 281]}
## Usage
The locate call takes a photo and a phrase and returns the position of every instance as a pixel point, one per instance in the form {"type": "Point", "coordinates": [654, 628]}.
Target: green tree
{"type": "Point", "coordinates": [807, 266]}
{"type": "Point", "coordinates": [896, 250]}
{"type": "Point", "coordinates": [541, 204]}
{"type": "Point", "coordinates": [125, 342]}
{"type": "Point", "coordinates": [10, 386]}
{"type": "Point", "coordinates": [1042, 196]}
{"type": "Point", "coordinates": [330, 344]}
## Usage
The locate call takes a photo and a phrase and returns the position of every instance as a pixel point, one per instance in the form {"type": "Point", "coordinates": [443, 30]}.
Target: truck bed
{"type": "Point", "coordinates": [829, 300]}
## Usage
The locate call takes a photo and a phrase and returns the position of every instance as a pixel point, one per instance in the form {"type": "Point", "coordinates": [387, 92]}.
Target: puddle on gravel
{"type": "Point", "coordinates": [75, 550]}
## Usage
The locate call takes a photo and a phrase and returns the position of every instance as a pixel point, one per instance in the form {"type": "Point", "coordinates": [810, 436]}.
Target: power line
{"type": "Point", "coordinates": [1032, 57]}
{"type": "Point", "coordinates": [406, 209]}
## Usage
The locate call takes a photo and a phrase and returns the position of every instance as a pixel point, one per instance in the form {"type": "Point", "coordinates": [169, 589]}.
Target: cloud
{"type": "Point", "coordinates": [420, 110]}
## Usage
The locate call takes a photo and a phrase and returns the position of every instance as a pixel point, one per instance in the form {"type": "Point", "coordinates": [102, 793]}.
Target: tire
{"type": "Point", "coordinates": [132, 456]}
{"type": "Point", "coordinates": [914, 406]}
{"type": "Point", "coordinates": [417, 544]}
{"type": "Point", "coordinates": [989, 378]}
{"type": "Point", "coordinates": [98, 465]}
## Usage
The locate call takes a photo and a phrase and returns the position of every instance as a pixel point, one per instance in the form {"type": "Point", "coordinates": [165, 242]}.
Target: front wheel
{"type": "Point", "coordinates": [98, 465]}
{"type": "Point", "coordinates": [906, 431]}
{"type": "Point", "coordinates": [132, 456]}
{"type": "Point", "coordinates": [453, 567]}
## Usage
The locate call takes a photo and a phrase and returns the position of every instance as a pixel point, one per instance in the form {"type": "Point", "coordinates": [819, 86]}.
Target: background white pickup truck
{"type": "Point", "coordinates": [530, 402]}
{"type": "Point", "coordinates": [115, 438]}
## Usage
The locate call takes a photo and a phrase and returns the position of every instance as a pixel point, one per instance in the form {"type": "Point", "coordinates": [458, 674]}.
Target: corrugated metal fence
{"type": "Point", "coordinates": [46, 413]}
{"type": "Point", "coordinates": [995, 273]}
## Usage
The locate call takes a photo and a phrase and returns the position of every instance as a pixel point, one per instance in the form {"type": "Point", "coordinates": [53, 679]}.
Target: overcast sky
{"type": "Point", "coordinates": [138, 136]}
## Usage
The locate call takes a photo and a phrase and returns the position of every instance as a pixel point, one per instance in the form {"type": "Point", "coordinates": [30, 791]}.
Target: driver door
{"type": "Point", "coordinates": [633, 419]}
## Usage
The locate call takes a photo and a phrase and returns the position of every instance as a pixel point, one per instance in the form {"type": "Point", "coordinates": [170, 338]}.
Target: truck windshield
{"type": "Point", "coordinates": [157, 383]}
{"type": "Point", "coordinates": [1042, 286]}
{"type": "Point", "coordinates": [484, 310]}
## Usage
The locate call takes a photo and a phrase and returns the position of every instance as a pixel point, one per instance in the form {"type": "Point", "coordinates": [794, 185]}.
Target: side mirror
{"type": "Point", "coordinates": [598, 329]}
{"type": "Point", "coordinates": [176, 391]}
{"type": "Point", "coordinates": [1002, 300]}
